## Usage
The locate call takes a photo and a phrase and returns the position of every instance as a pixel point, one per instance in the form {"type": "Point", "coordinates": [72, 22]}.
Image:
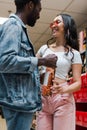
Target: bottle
{"type": "Point", "coordinates": [47, 81]}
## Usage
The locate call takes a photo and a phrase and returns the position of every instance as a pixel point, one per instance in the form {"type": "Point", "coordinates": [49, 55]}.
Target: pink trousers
{"type": "Point", "coordinates": [58, 113]}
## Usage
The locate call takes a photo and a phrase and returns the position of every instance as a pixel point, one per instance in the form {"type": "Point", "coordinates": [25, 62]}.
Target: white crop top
{"type": "Point", "coordinates": [64, 61]}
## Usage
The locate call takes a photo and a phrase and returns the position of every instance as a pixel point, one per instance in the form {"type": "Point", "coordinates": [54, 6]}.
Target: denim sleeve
{"type": "Point", "coordinates": [10, 60]}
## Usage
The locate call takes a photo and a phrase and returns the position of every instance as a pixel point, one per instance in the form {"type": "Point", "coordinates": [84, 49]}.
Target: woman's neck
{"type": "Point", "coordinates": [60, 42]}
{"type": "Point", "coordinates": [57, 48]}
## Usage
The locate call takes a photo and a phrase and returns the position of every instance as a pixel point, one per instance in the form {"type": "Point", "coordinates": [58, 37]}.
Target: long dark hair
{"type": "Point", "coordinates": [70, 31]}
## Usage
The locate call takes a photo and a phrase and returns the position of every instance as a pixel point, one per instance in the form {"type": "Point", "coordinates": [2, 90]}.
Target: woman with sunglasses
{"type": "Point", "coordinates": [58, 109]}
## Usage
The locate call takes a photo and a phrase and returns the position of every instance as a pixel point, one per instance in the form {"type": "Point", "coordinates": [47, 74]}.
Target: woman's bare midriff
{"type": "Point", "coordinates": [60, 81]}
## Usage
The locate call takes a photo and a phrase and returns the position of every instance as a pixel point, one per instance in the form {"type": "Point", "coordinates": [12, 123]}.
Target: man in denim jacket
{"type": "Point", "coordinates": [20, 93]}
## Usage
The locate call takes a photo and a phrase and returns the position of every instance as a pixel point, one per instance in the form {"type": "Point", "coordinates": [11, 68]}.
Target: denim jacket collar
{"type": "Point", "coordinates": [16, 17]}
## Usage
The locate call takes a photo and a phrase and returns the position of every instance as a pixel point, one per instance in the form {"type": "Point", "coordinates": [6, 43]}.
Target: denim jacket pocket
{"type": "Point", "coordinates": [25, 50]}
{"type": "Point", "coordinates": [24, 46]}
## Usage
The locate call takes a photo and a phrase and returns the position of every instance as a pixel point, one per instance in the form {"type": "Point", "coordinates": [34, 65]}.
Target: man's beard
{"type": "Point", "coordinates": [31, 19]}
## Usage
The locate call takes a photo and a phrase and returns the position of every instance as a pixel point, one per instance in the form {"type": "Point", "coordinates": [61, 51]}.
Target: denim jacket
{"type": "Point", "coordinates": [19, 76]}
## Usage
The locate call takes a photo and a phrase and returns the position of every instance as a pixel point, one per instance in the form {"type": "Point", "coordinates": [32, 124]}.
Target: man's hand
{"type": "Point", "coordinates": [49, 61]}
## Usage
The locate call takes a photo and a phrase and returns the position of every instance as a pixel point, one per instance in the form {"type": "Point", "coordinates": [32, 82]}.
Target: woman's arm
{"type": "Point", "coordinates": [76, 85]}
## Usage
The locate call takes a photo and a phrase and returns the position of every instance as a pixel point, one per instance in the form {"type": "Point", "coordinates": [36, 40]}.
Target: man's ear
{"type": "Point", "coordinates": [31, 5]}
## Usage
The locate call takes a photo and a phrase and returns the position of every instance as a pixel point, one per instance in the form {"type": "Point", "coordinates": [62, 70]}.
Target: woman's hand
{"type": "Point", "coordinates": [58, 88]}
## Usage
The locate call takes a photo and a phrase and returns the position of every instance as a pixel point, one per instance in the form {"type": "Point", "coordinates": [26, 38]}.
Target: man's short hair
{"type": "Point", "coordinates": [21, 3]}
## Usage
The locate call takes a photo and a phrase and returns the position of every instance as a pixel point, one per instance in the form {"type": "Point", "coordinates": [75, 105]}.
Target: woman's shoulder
{"type": "Point", "coordinates": [75, 51]}
{"type": "Point", "coordinates": [44, 46]}
{"type": "Point", "coordinates": [77, 57]}
{"type": "Point", "coordinates": [42, 49]}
